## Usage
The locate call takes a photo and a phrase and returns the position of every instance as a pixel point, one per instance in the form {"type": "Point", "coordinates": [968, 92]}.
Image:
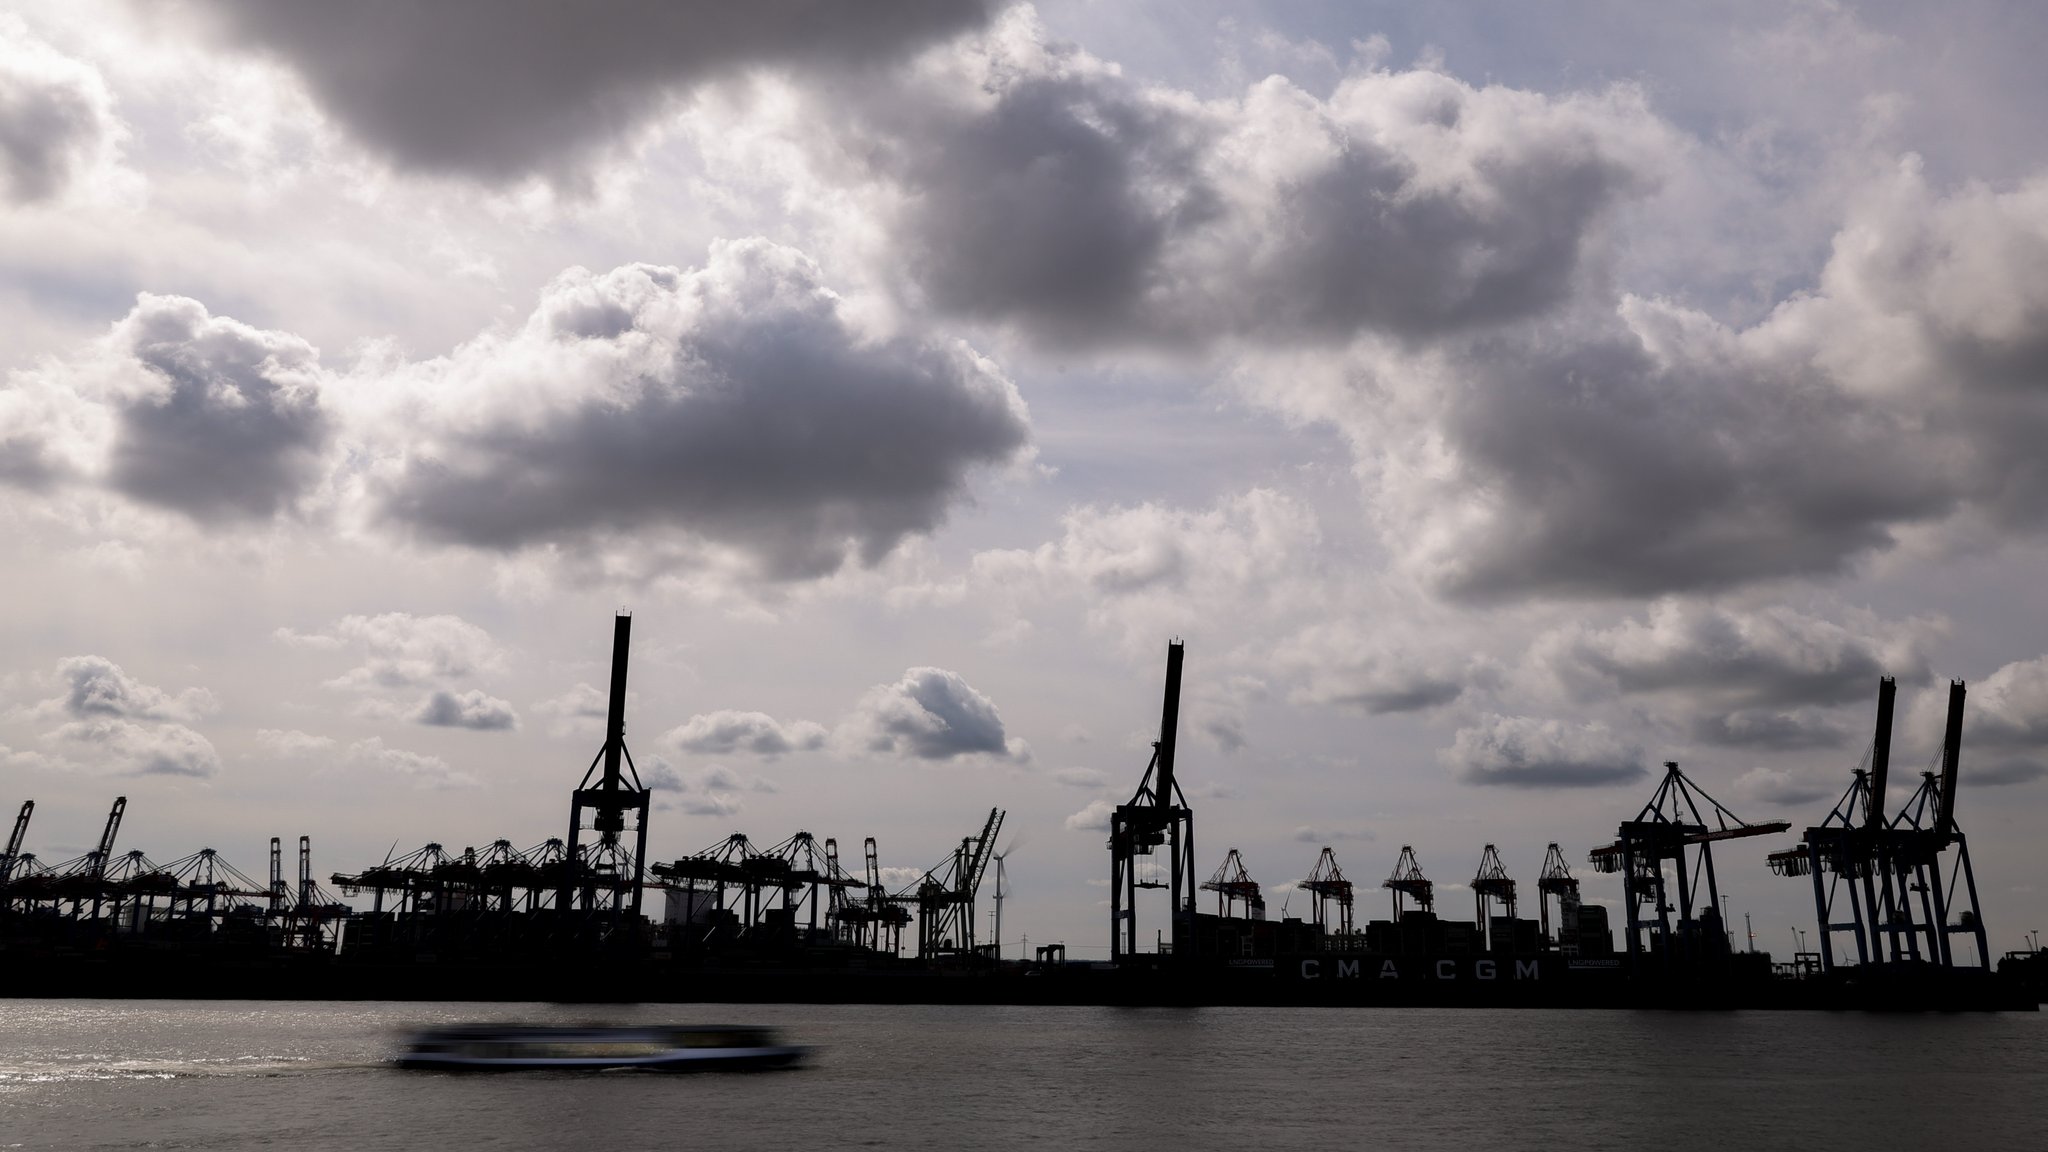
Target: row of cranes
{"type": "Point", "coordinates": [733, 895]}
{"type": "Point", "coordinates": [196, 895]}
{"type": "Point", "coordinates": [1332, 895]}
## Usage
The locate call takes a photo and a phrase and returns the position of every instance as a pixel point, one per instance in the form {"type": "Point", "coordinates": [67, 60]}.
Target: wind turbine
{"type": "Point", "coordinates": [1002, 890]}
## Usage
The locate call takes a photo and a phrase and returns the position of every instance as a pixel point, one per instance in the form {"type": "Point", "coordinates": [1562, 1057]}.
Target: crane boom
{"type": "Point", "coordinates": [105, 851]}
{"type": "Point", "coordinates": [28, 808]}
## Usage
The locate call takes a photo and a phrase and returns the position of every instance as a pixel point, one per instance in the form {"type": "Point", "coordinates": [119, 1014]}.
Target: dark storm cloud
{"type": "Point", "coordinates": [930, 714]}
{"type": "Point", "coordinates": [222, 421]}
{"type": "Point", "coordinates": [1525, 752]}
{"type": "Point", "coordinates": [500, 89]}
{"type": "Point", "coordinates": [55, 118]}
{"type": "Point", "coordinates": [734, 403]}
{"type": "Point", "coordinates": [1041, 186]}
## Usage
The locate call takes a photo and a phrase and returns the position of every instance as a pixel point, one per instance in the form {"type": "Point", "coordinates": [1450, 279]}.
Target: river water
{"type": "Point", "coordinates": [314, 1076]}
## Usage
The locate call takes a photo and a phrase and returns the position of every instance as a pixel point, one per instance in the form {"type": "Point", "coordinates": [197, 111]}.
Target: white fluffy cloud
{"type": "Point", "coordinates": [735, 405]}
{"type": "Point", "coordinates": [2005, 725]}
{"type": "Point", "coordinates": [425, 771]}
{"type": "Point", "coordinates": [113, 723]}
{"type": "Point", "coordinates": [931, 714]}
{"type": "Point", "coordinates": [57, 121]}
{"type": "Point", "coordinates": [757, 733]}
{"type": "Point", "coordinates": [177, 409]}
{"type": "Point", "coordinates": [1649, 448]}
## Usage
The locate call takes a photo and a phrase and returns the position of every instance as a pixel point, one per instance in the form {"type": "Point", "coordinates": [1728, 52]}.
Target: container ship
{"type": "Point", "coordinates": [1897, 921]}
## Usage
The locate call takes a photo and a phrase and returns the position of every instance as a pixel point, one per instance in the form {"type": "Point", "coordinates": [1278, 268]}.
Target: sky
{"type": "Point", "coordinates": [1499, 400]}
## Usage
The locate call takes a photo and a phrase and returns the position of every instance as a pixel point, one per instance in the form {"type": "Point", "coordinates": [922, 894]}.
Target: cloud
{"type": "Point", "coordinates": [1525, 752]}
{"type": "Point", "coordinates": [1149, 571]}
{"type": "Point", "coordinates": [178, 409]}
{"type": "Point", "coordinates": [499, 89]}
{"type": "Point", "coordinates": [113, 723]}
{"type": "Point", "coordinates": [95, 688]}
{"type": "Point", "coordinates": [292, 744]}
{"type": "Point", "coordinates": [1763, 728]}
{"type": "Point", "coordinates": [1093, 818]}
{"type": "Point", "coordinates": [2005, 725]}
{"type": "Point", "coordinates": [1643, 447]}
{"type": "Point", "coordinates": [1344, 662]}
{"type": "Point", "coordinates": [424, 770]}
{"type": "Point", "coordinates": [735, 405]}
{"type": "Point", "coordinates": [1768, 657]}
{"type": "Point", "coordinates": [473, 709]}
{"type": "Point", "coordinates": [1080, 777]}
{"type": "Point", "coordinates": [711, 790]}
{"type": "Point", "coordinates": [725, 732]}
{"type": "Point", "coordinates": [581, 710]}
{"type": "Point", "coordinates": [57, 120]}
{"type": "Point", "coordinates": [1775, 786]}
{"type": "Point", "coordinates": [931, 714]}
{"type": "Point", "coordinates": [1028, 181]}
{"type": "Point", "coordinates": [400, 650]}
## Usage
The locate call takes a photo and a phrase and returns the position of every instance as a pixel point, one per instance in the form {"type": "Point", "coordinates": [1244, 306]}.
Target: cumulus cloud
{"type": "Point", "coordinates": [57, 120]}
{"type": "Point", "coordinates": [931, 714]}
{"type": "Point", "coordinates": [1080, 777]}
{"type": "Point", "coordinates": [400, 650]}
{"type": "Point", "coordinates": [114, 723]}
{"type": "Point", "coordinates": [1032, 182]}
{"type": "Point", "coordinates": [137, 749]}
{"type": "Point", "coordinates": [1093, 818]}
{"type": "Point", "coordinates": [1526, 752]}
{"type": "Point", "coordinates": [178, 409]}
{"type": "Point", "coordinates": [727, 731]}
{"type": "Point", "coordinates": [1646, 448]}
{"type": "Point", "coordinates": [474, 709]}
{"type": "Point", "coordinates": [95, 687]}
{"type": "Point", "coordinates": [499, 89]}
{"type": "Point", "coordinates": [734, 404]}
{"type": "Point", "coordinates": [2005, 725]}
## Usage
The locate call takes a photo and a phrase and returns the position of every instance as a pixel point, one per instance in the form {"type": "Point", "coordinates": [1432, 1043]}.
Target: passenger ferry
{"type": "Point", "coordinates": [516, 1047]}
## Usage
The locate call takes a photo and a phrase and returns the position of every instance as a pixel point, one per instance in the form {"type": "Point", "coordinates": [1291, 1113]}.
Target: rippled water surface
{"type": "Point", "coordinates": [313, 1076]}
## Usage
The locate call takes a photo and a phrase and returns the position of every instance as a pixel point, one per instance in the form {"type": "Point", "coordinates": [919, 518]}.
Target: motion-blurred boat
{"type": "Point", "coordinates": [515, 1047]}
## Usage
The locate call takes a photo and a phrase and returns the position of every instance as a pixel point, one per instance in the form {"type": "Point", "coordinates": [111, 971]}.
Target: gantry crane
{"type": "Point", "coordinates": [1558, 883]}
{"type": "Point", "coordinates": [1492, 886]}
{"type": "Point", "coordinates": [1408, 882]}
{"type": "Point", "coordinates": [1158, 816]}
{"type": "Point", "coordinates": [1327, 884]}
{"type": "Point", "coordinates": [1670, 824]}
{"type": "Point", "coordinates": [1232, 885]}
